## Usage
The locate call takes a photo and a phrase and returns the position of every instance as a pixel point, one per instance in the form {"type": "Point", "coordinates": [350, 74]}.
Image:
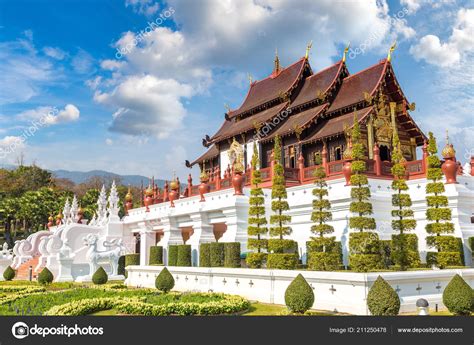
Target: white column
{"type": "Point", "coordinates": [236, 221]}
{"type": "Point", "coordinates": [202, 232]}
{"type": "Point", "coordinates": [171, 235]}
{"type": "Point", "coordinates": [147, 239]}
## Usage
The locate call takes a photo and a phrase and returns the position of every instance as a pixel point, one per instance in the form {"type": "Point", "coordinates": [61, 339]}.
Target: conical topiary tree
{"type": "Point", "coordinates": [364, 246]}
{"type": "Point", "coordinates": [458, 296]}
{"type": "Point", "coordinates": [404, 247]}
{"type": "Point", "coordinates": [257, 222]}
{"type": "Point", "coordinates": [438, 215]}
{"type": "Point", "coordinates": [323, 254]}
{"type": "Point", "coordinates": [299, 296]}
{"type": "Point", "coordinates": [165, 281]}
{"type": "Point", "coordinates": [283, 252]}
{"type": "Point", "coordinates": [45, 276]}
{"type": "Point", "coordinates": [9, 273]}
{"type": "Point", "coordinates": [382, 299]}
{"type": "Point", "coordinates": [100, 276]}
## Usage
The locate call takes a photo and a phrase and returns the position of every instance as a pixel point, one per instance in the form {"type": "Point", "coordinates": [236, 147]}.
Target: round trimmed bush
{"type": "Point", "coordinates": [100, 276]}
{"type": "Point", "coordinates": [217, 254]}
{"type": "Point", "coordinates": [184, 255]}
{"type": "Point", "coordinates": [165, 281]}
{"type": "Point", "coordinates": [232, 254]}
{"type": "Point", "coordinates": [458, 296]}
{"type": "Point", "coordinates": [172, 255]}
{"type": "Point", "coordinates": [45, 276]}
{"type": "Point", "coordinates": [299, 296]}
{"type": "Point", "coordinates": [205, 255]}
{"type": "Point", "coordinates": [9, 273]}
{"type": "Point", "coordinates": [382, 299]}
{"type": "Point", "coordinates": [256, 260]}
{"type": "Point", "coordinates": [156, 255]}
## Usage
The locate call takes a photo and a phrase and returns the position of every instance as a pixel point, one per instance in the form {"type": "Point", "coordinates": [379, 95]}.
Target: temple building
{"type": "Point", "coordinates": [311, 112]}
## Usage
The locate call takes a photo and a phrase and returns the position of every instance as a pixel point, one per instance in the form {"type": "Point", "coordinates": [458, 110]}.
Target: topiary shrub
{"type": "Point", "coordinates": [165, 281]}
{"type": "Point", "coordinates": [458, 296]}
{"type": "Point", "coordinates": [282, 261]}
{"type": "Point", "coordinates": [299, 296]}
{"type": "Point", "coordinates": [156, 255]}
{"type": "Point", "coordinates": [131, 260]}
{"type": "Point", "coordinates": [172, 255]}
{"type": "Point", "coordinates": [121, 266]}
{"type": "Point", "coordinates": [217, 254]}
{"type": "Point", "coordinates": [324, 254]}
{"type": "Point", "coordinates": [205, 255]}
{"type": "Point", "coordinates": [404, 251]}
{"type": "Point", "coordinates": [256, 260]}
{"type": "Point", "coordinates": [9, 274]}
{"type": "Point", "coordinates": [100, 276]}
{"type": "Point", "coordinates": [282, 246]}
{"type": "Point", "coordinates": [382, 299]}
{"type": "Point", "coordinates": [232, 254]}
{"type": "Point", "coordinates": [365, 249]}
{"type": "Point", "coordinates": [184, 255]}
{"type": "Point", "coordinates": [45, 276]}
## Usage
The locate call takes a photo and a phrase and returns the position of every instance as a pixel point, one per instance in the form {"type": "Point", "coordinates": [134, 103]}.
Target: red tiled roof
{"type": "Point", "coordinates": [232, 127]}
{"type": "Point", "coordinates": [353, 87]}
{"type": "Point", "coordinates": [320, 81]}
{"type": "Point", "coordinates": [302, 119]}
{"type": "Point", "coordinates": [336, 125]}
{"type": "Point", "coordinates": [208, 155]}
{"type": "Point", "coordinates": [270, 88]}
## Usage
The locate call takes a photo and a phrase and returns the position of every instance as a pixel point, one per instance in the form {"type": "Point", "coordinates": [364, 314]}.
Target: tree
{"type": "Point", "coordinates": [438, 215]}
{"type": "Point", "coordinates": [257, 222]}
{"type": "Point", "coordinates": [323, 252]}
{"type": "Point", "coordinates": [283, 252]}
{"type": "Point", "coordinates": [89, 203]}
{"type": "Point", "coordinates": [404, 250]}
{"type": "Point", "coordinates": [364, 246]}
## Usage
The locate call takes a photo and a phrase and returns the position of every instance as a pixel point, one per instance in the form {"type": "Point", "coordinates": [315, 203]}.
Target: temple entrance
{"type": "Point", "coordinates": [338, 153]}
{"type": "Point", "coordinates": [384, 153]}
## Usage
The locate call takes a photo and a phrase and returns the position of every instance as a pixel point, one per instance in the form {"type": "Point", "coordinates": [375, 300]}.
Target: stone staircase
{"type": "Point", "coordinates": [23, 272]}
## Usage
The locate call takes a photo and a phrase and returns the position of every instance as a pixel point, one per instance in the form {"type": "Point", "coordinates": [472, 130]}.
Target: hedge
{"type": "Point", "coordinates": [443, 259]}
{"type": "Point", "coordinates": [256, 260]}
{"type": "Point", "coordinates": [228, 304]}
{"type": "Point", "coordinates": [131, 260]}
{"type": "Point", "coordinates": [299, 295]}
{"type": "Point", "coordinates": [471, 244]}
{"type": "Point", "coordinates": [217, 254]}
{"type": "Point", "coordinates": [121, 265]}
{"type": "Point", "coordinates": [184, 255]}
{"type": "Point", "coordinates": [365, 249]}
{"type": "Point", "coordinates": [458, 296]}
{"type": "Point", "coordinates": [409, 242]}
{"type": "Point", "coordinates": [365, 262]}
{"type": "Point", "coordinates": [282, 246]}
{"type": "Point", "coordinates": [172, 255]}
{"type": "Point", "coordinates": [282, 261]}
{"type": "Point", "coordinates": [205, 255]}
{"type": "Point", "coordinates": [382, 299]}
{"type": "Point", "coordinates": [232, 254]}
{"type": "Point", "coordinates": [156, 255]}
{"type": "Point", "coordinates": [324, 254]}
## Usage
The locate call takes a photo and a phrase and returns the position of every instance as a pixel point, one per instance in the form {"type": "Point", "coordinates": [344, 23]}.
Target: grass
{"type": "Point", "coordinates": [264, 309]}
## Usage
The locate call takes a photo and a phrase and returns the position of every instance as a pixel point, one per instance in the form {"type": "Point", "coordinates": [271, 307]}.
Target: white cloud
{"type": "Point", "coordinates": [50, 115]}
{"type": "Point", "coordinates": [401, 28]}
{"type": "Point", "coordinates": [146, 105]}
{"type": "Point", "coordinates": [451, 52]}
{"type": "Point", "coordinates": [83, 62]}
{"type": "Point", "coordinates": [109, 142]}
{"type": "Point", "coordinates": [111, 64]}
{"type": "Point", "coordinates": [55, 53]}
{"type": "Point", "coordinates": [146, 7]}
{"type": "Point", "coordinates": [10, 148]}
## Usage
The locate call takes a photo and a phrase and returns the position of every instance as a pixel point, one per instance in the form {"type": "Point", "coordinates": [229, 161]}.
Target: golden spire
{"type": "Point", "coordinates": [276, 67]}
{"type": "Point", "coordinates": [448, 151]}
{"type": "Point", "coordinates": [390, 51]}
{"type": "Point", "coordinates": [129, 196]}
{"type": "Point", "coordinates": [249, 76]}
{"type": "Point", "coordinates": [346, 49]}
{"type": "Point", "coordinates": [308, 48]}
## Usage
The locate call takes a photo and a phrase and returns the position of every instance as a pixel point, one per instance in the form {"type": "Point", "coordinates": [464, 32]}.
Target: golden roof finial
{"type": "Point", "coordinates": [447, 137]}
{"type": "Point", "coordinates": [346, 49]}
{"type": "Point", "coordinates": [390, 51]}
{"type": "Point", "coordinates": [249, 76]}
{"type": "Point", "coordinates": [276, 68]}
{"type": "Point", "coordinates": [448, 151]}
{"type": "Point", "coordinates": [308, 48]}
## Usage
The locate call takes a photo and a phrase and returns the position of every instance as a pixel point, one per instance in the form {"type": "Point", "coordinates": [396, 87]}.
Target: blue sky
{"type": "Point", "coordinates": [132, 86]}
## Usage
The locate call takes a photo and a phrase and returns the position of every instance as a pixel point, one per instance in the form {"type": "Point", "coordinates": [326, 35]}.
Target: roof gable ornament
{"type": "Point", "coordinates": [276, 62]}
{"type": "Point", "coordinates": [346, 50]}
{"type": "Point", "coordinates": [308, 48]}
{"type": "Point", "coordinates": [390, 51]}
{"type": "Point", "coordinates": [249, 76]}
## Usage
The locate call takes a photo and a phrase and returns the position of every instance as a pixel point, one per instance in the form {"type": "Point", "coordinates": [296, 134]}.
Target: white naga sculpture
{"type": "Point", "coordinates": [110, 256]}
{"type": "Point", "coordinates": [6, 253]}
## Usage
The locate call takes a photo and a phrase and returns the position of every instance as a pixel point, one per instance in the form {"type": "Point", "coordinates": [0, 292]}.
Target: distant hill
{"type": "Point", "coordinates": [82, 176]}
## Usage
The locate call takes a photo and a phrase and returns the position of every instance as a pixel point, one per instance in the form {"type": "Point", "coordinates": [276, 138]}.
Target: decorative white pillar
{"type": "Point", "coordinates": [147, 239]}
{"type": "Point", "coordinates": [236, 221]}
{"type": "Point", "coordinates": [171, 235]}
{"type": "Point", "coordinates": [202, 232]}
